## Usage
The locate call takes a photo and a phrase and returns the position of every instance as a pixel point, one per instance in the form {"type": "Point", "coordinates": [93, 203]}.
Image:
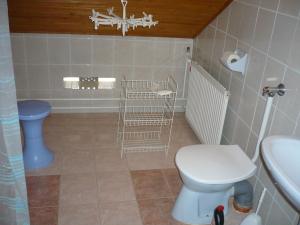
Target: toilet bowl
{"type": "Point", "coordinates": [208, 173]}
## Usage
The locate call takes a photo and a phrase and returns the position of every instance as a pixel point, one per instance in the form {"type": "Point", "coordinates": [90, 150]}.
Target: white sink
{"type": "Point", "coordinates": [282, 158]}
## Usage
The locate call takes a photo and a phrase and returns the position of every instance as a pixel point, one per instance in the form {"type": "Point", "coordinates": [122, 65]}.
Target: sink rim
{"type": "Point", "coordinates": [281, 177]}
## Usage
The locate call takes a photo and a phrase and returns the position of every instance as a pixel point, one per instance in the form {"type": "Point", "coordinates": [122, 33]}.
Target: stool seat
{"type": "Point", "coordinates": [32, 114]}
{"type": "Point", "coordinates": [33, 109]}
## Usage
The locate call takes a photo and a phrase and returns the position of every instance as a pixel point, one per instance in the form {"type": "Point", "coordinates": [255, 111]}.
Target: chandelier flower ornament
{"type": "Point", "coordinates": [123, 23]}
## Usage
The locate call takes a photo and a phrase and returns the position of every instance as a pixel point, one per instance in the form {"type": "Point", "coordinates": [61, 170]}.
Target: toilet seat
{"type": "Point", "coordinates": [214, 164]}
{"type": "Point", "coordinates": [33, 109]}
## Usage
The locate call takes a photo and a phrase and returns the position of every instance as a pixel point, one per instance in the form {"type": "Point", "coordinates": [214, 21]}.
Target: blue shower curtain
{"type": "Point", "coordinates": [13, 194]}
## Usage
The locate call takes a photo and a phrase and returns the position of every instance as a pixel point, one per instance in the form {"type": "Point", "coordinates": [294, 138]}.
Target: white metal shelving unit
{"type": "Point", "coordinates": [146, 115]}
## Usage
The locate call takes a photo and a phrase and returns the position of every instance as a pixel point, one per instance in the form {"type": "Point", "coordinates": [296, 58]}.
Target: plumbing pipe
{"type": "Point", "coordinates": [263, 127]}
{"type": "Point", "coordinates": [243, 196]}
{"type": "Point", "coordinates": [187, 70]}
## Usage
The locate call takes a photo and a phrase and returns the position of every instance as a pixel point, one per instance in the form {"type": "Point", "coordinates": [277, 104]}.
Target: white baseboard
{"type": "Point", "coordinates": [89, 105]}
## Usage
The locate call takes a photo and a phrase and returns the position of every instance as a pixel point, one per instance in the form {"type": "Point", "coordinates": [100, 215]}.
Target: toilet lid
{"type": "Point", "coordinates": [33, 109]}
{"type": "Point", "coordinates": [215, 164]}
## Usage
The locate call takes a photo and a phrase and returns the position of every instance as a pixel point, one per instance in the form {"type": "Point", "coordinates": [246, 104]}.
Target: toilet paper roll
{"type": "Point", "coordinates": [232, 58]}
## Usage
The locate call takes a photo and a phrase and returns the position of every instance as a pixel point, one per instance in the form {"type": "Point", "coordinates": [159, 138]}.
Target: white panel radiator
{"type": "Point", "coordinates": [206, 105]}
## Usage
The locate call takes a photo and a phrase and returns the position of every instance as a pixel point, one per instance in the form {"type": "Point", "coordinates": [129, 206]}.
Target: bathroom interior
{"type": "Point", "coordinates": [87, 89]}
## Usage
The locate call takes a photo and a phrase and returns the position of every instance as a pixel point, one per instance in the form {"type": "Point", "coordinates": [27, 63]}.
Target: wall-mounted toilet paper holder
{"type": "Point", "coordinates": [235, 61]}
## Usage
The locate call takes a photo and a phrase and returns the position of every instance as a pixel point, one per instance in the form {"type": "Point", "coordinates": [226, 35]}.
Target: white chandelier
{"type": "Point", "coordinates": [124, 22]}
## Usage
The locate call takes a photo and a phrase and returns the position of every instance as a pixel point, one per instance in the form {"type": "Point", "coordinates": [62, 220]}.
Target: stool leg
{"type": "Point", "coordinates": [36, 154]}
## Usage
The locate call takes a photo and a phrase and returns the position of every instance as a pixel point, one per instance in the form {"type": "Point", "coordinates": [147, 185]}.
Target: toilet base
{"type": "Point", "coordinates": [193, 207]}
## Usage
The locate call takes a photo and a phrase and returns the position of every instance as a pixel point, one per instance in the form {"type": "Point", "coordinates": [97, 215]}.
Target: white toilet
{"type": "Point", "coordinates": [208, 173]}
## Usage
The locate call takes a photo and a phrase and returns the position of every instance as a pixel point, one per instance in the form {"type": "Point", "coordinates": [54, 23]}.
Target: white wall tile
{"type": "Point", "coordinates": [18, 48]}
{"type": "Point", "coordinates": [38, 77]}
{"type": "Point", "coordinates": [142, 73]}
{"type": "Point", "coordinates": [269, 4]}
{"type": "Point", "coordinates": [179, 77]}
{"type": "Point", "coordinates": [124, 52]}
{"type": "Point", "coordinates": [277, 216]}
{"type": "Point", "coordinates": [21, 79]}
{"type": "Point", "coordinates": [36, 49]}
{"type": "Point", "coordinates": [290, 7]}
{"type": "Point", "coordinates": [236, 88]}
{"type": "Point", "coordinates": [59, 50]}
{"type": "Point", "coordinates": [223, 19]}
{"type": "Point", "coordinates": [229, 124]}
{"type": "Point", "coordinates": [255, 70]}
{"type": "Point", "coordinates": [225, 77]}
{"type": "Point", "coordinates": [81, 50]}
{"type": "Point", "coordinates": [103, 51]}
{"type": "Point", "coordinates": [266, 180]}
{"type": "Point", "coordinates": [263, 29]}
{"type": "Point", "coordinates": [241, 134]}
{"type": "Point", "coordinates": [164, 53]}
{"type": "Point", "coordinates": [102, 71]}
{"type": "Point", "coordinates": [251, 146]}
{"type": "Point", "coordinates": [247, 23]}
{"type": "Point", "coordinates": [144, 53]}
{"type": "Point", "coordinates": [282, 125]}
{"type": "Point", "coordinates": [282, 38]}
{"type": "Point", "coordinates": [247, 105]}
{"type": "Point", "coordinates": [81, 70]}
{"type": "Point", "coordinates": [56, 75]}
{"type": "Point", "coordinates": [235, 18]}
{"type": "Point", "coordinates": [286, 207]}
{"type": "Point", "coordinates": [290, 104]}
{"type": "Point", "coordinates": [294, 57]}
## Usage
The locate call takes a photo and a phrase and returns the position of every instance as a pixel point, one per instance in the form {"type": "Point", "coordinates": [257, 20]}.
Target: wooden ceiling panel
{"type": "Point", "coordinates": [177, 18]}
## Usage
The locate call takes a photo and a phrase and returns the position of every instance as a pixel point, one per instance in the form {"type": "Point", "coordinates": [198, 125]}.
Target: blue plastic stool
{"type": "Point", "coordinates": [32, 114]}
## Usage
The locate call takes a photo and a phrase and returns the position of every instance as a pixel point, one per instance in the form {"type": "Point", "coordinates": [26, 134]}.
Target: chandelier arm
{"type": "Point", "coordinates": [122, 23]}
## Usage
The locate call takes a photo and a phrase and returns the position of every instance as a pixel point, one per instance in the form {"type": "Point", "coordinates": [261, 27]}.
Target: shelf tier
{"type": "Point", "coordinates": [146, 141]}
{"type": "Point", "coordinates": [132, 146]}
{"type": "Point", "coordinates": [147, 95]}
{"type": "Point", "coordinates": [142, 119]}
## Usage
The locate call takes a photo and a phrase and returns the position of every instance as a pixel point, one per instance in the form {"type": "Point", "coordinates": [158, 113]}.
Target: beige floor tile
{"type": "Point", "coordinates": [115, 187]}
{"type": "Point", "coordinates": [146, 160]}
{"type": "Point", "coordinates": [43, 215]}
{"type": "Point", "coordinates": [78, 189]}
{"type": "Point", "coordinates": [53, 142]}
{"type": "Point", "coordinates": [54, 137]}
{"type": "Point", "coordinates": [120, 213]}
{"type": "Point", "coordinates": [80, 138]}
{"type": "Point", "coordinates": [150, 184]}
{"type": "Point", "coordinates": [53, 169]}
{"type": "Point", "coordinates": [80, 214]}
{"type": "Point", "coordinates": [173, 179]}
{"type": "Point", "coordinates": [105, 136]}
{"type": "Point", "coordinates": [157, 211]}
{"type": "Point", "coordinates": [79, 162]}
{"type": "Point", "coordinates": [109, 159]}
